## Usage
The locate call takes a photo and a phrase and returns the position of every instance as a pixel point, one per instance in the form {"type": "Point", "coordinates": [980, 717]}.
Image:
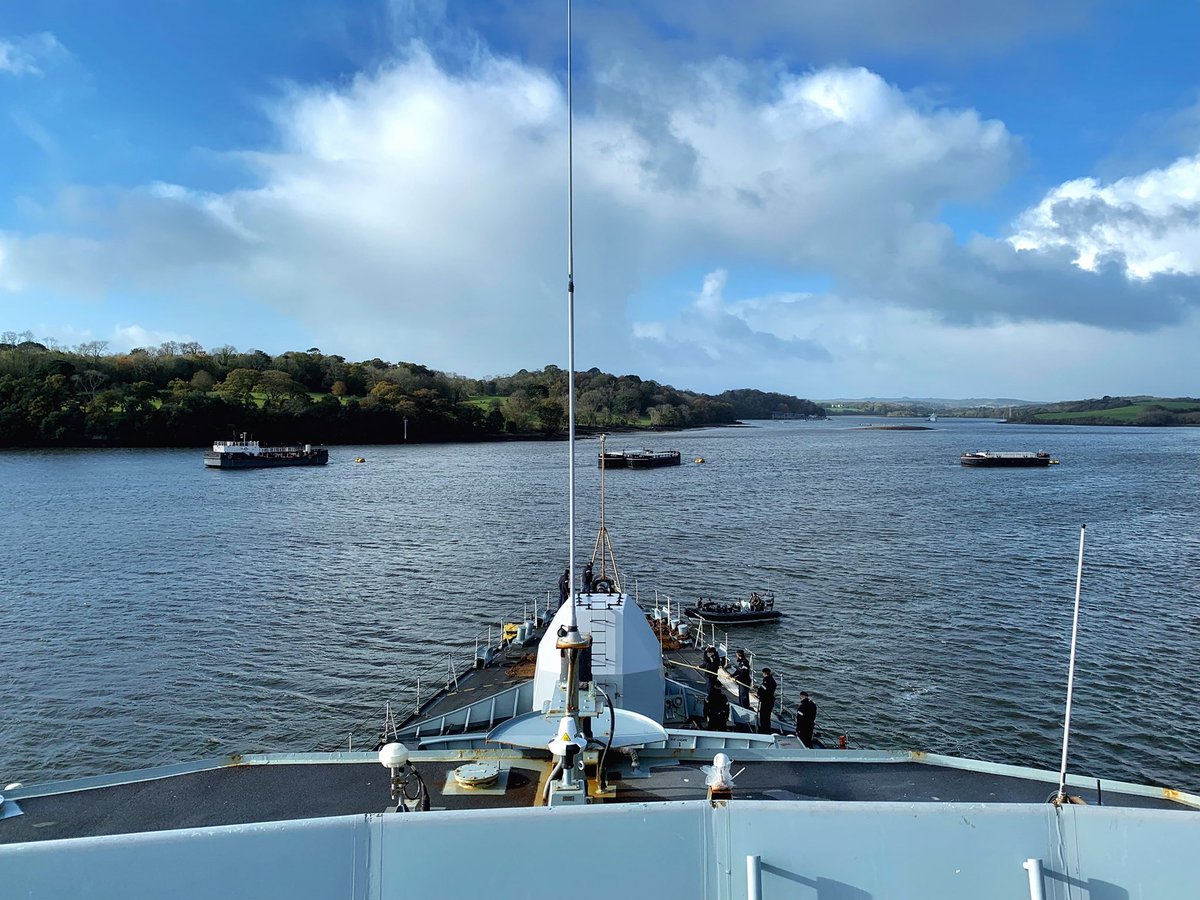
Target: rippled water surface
{"type": "Point", "coordinates": [154, 611]}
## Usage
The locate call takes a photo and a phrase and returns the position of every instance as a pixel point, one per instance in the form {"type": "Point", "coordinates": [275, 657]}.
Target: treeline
{"type": "Point", "coordinates": [179, 394]}
{"type": "Point", "coordinates": [751, 404]}
{"type": "Point", "coordinates": [605, 400]}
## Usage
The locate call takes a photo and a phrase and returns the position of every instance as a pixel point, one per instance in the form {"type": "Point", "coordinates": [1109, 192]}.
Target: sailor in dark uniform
{"type": "Point", "coordinates": [741, 674]}
{"type": "Point", "coordinates": [564, 586]}
{"type": "Point", "coordinates": [710, 664]}
{"type": "Point", "coordinates": [806, 718]}
{"type": "Point", "coordinates": [587, 578]}
{"type": "Point", "coordinates": [716, 709]}
{"type": "Point", "coordinates": [766, 701]}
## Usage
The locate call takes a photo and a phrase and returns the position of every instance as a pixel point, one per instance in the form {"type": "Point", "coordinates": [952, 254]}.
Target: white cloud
{"type": "Point", "coordinates": [730, 339]}
{"type": "Point", "coordinates": [28, 54]}
{"type": "Point", "coordinates": [418, 212]}
{"type": "Point", "coordinates": [126, 337]}
{"type": "Point", "coordinates": [885, 350]}
{"type": "Point", "coordinates": [1148, 224]}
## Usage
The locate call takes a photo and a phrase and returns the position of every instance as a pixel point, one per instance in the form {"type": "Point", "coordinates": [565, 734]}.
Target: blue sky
{"type": "Point", "coordinates": [844, 199]}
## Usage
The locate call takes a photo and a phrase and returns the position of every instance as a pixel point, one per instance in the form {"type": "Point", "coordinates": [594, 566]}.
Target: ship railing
{"type": "Point", "coordinates": [782, 711]}
{"type": "Point", "coordinates": [429, 684]}
{"type": "Point", "coordinates": [482, 715]}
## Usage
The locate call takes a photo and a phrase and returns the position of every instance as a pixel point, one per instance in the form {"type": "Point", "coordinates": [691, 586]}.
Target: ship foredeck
{"type": "Point", "coordinates": [309, 786]}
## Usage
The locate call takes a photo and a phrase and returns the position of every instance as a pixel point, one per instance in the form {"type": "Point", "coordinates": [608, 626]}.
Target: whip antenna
{"type": "Point", "coordinates": [570, 331]}
{"type": "Point", "coordinates": [1061, 796]}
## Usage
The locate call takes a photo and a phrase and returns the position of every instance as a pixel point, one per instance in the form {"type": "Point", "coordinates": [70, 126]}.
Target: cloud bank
{"type": "Point", "coordinates": [418, 212]}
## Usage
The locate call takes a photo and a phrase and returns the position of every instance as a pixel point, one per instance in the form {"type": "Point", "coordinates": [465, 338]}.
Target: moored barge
{"type": "Point", "coordinates": [639, 459]}
{"type": "Point", "coordinates": [990, 459]}
{"type": "Point", "coordinates": [244, 454]}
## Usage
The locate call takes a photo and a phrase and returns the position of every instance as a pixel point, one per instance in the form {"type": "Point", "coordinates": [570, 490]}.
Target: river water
{"type": "Point", "coordinates": [154, 611]}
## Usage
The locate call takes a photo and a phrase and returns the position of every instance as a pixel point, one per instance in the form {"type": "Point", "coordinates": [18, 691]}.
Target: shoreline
{"type": "Point", "coordinates": [587, 432]}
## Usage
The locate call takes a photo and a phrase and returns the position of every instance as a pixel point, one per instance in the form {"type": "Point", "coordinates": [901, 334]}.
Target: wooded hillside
{"type": "Point", "coordinates": [184, 395]}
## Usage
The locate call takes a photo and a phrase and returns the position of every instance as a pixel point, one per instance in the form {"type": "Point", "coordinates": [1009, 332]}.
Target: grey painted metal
{"type": "Point", "coordinates": [686, 849]}
{"type": "Point", "coordinates": [630, 666]}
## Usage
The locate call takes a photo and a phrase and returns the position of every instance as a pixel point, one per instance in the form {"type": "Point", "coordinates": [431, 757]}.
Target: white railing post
{"type": "Point", "coordinates": [754, 877]}
{"type": "Point", "coordinates": [1037, 887]}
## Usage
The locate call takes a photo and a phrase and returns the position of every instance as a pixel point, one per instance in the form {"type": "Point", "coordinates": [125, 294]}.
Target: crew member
{"type": "Point", "coordinates": [766, 701]}
{"type": "Point", "coordinates": [806, 718]}
{"type": "Point", "coordinates": [564, 586]}
{"type": "Point", "coordinates": [716, 709]}
{"type": "Point", "coordinates": [741, 674]}
{"type": "Point", "coordinates": [587, 578]}
{"type": "Point", "coordinates": [710, 664]}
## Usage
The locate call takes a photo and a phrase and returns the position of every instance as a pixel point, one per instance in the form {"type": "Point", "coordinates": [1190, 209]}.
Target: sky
{"type": "Point", "coordinates": [852, 198]}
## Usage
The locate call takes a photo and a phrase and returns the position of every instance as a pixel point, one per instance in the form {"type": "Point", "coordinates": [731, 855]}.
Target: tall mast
{"type": "Point", "coordinates": [570, 333]}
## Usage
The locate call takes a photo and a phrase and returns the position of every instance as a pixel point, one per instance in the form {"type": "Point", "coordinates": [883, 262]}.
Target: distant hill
{"type": "Point", "coordinates": [937, 402]}
{"type": "Point", "coordinates": [1137, 410]}
{"type": "Point", "coordinates": [1141, 410]}
{"type": "Point", "coordinates": [905, 407]}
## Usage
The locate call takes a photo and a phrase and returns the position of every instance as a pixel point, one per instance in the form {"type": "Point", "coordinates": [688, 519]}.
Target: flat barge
{"type": "Point", "coordinates": [244, 454]}
{"type": "Point", "coordinates": [639, 459]}
{"type": "Point", "coordinates": [989, 459]}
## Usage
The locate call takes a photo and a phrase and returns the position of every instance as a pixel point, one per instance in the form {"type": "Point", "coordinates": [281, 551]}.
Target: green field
{"type": "Point", "coordinates": [1124, 414]}
{"type": "Point", "coordinates": [484, 402]}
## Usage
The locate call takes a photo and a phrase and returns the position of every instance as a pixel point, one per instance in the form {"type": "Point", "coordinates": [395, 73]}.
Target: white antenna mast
{"type": "Point", "coordinates": [1061, 796]}
{"type": "Point", "coordinates": [569, 642]}
{"type": "Point", "coordinates": [570, 332]}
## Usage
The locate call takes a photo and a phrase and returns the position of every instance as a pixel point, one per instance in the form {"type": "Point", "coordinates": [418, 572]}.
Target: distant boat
{"type": "Point", "coordinates": [933, 417]}
{"type": "Point", "coordinates": [989, 459]}
{"type": "Point", "coordinates": [755, 610]}
{"type": "Point", "coordinates": [244, 454]}
{"type": "Point", "coordinates": [639, 459]}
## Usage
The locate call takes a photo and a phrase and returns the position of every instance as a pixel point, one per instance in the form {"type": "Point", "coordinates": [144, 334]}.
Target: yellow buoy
{"type": "Point", "coordinates": [359, 459]}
